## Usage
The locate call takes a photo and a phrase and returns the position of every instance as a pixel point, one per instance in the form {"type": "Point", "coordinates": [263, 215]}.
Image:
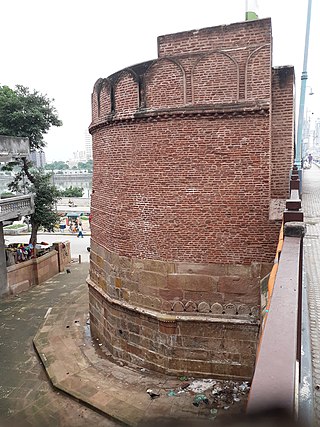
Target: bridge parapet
{"type": "Point", "coordinates": [14, 207]}
{"type": "Point", "coordinates": [277, 371]}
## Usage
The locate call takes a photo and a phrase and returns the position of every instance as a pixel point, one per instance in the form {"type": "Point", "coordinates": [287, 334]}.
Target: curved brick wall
{"type": "Point", "coordinates": [182, 186]}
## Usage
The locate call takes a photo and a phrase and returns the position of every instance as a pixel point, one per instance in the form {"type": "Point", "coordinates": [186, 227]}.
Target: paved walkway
{"type": "Point", "coordinates": [311, 208]}
{"type": "Point", "coordinates": [27, 398]}
{"type": "Point", "coordinates": [78, 365]}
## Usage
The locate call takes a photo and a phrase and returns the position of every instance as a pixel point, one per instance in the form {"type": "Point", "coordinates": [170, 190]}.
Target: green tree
{"type": "Point", "coordinates": [26, 114]}
{"type": "Point", "coordinates": [86, 165]}
{"type": "Point", "coordinates": [57, 165]}
{"type": "Point", "coordinates": [46, 196]}
{"type": "Point", "coordinates": [72, 192]}
{"type": "Point", "coordinates": [30, 114]}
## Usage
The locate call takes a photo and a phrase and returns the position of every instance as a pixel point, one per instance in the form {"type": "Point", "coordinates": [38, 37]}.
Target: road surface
{"type": "Point", "coordinates": [78, 245]}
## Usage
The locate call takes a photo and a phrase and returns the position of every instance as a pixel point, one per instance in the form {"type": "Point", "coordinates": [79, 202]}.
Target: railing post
{"type": "Point", "coordinates": [297, 229]}
{"type": "Point", "coordinates": [293, 212]}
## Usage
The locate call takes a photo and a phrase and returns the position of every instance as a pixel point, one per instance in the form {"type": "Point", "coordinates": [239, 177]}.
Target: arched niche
{"type": "Point", "coordinates": [104, 98]}
{"type": "Point", "coordinates": [95, 105]}
{"type": "Point", "coordinates": [215, 79]}
{"type": "Point", "coordinates": [258, 74]}
{"type": "Point", "coordinates": [165, 85]}
{"type": "Point", "coordinates": [126, 93]}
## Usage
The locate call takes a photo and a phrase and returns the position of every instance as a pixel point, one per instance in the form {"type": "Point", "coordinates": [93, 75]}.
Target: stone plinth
{"type": "Point", "coordinates": [176, 317]}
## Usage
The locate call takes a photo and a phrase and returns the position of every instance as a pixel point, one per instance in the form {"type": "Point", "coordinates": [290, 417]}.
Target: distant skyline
{"type": "Point", "coordinates": [61, 48]}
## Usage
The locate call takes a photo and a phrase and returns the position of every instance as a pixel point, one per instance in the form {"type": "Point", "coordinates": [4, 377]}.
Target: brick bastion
{"type": "Point", "coordinates": [192, 153]}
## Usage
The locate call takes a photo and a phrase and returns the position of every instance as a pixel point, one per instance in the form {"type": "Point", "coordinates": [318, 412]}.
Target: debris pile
{"type": "Point", "coordinates": [212, 396]}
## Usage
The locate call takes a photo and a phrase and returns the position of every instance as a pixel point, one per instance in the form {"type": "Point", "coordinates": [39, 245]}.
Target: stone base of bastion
{"type": "Point", "coordinates": [166, 316]}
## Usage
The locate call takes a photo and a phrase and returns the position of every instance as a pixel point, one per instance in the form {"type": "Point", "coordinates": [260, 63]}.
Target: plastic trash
{"type": "Point", "coordinates": [198, 398]}
{"type": "Point", "coordinates": [152, 393]}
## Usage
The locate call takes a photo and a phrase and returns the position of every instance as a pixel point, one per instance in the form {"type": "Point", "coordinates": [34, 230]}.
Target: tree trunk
{"type": "Point", "coordinates": [33, 237]}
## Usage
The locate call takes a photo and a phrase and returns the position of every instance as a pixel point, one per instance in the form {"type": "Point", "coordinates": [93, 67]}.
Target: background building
{"type": "Point", "coordinates": [38, 158]}
{"type": "Point", "coordinates": [88, 145]}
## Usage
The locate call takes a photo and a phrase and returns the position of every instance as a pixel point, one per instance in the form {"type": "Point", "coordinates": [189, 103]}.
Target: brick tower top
{"type": "Point", "coordinates": [233, 36]}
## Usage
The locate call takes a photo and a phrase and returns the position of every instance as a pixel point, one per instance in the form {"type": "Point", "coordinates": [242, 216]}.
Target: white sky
{"type": "Point", "coordinates": [61, 47]}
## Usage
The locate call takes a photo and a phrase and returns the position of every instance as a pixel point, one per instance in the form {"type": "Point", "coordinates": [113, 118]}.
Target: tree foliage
{"type": "Point", "coordinates": [86, 165]}
{"type": "Point", "coordinates": [57, 165]}
{"type": "Point", "coordinates": [46, 196]}
{"type": "Point", "coordinates": [72, 192]}
{"type": "Point", "coordinates": [24, 113]}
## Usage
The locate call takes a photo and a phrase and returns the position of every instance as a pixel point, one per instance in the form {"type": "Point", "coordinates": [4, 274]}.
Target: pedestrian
{"type": "Point", "coordinates": [80, 233]}
{"type": "Point", "coordinates": [310, 158]}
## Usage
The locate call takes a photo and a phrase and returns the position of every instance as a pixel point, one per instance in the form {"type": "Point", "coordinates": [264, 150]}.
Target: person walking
{"type": "Point", "coordinates": [80, 231]}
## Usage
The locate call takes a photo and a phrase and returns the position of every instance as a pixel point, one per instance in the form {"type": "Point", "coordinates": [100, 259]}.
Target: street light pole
{"type": "Point", "coordinates": [304, 77]}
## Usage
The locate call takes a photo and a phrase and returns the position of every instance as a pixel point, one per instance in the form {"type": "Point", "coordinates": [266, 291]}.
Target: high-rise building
{"type": "Point", "coordinates": [38, 158]}
{"type": "Point", "coordinates": [79, 156]}
{"type": "Point", "coordinates": [88, 144]}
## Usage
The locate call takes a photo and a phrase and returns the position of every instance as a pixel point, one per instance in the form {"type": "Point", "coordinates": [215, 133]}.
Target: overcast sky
{"type": "Point", "coordinates": [62, 47]}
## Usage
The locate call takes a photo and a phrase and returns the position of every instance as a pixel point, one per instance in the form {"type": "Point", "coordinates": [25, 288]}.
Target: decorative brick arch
{"type": "Point", "coordinates": [95, 100]}
{"type": "Point", "coordinates": [126, 92]}
{"type": "Point", "coordinates": [165, 84]}
{"type": "Point", "coordinates": [215, 79]}
{"type": "Point", "coordinates": [104, 97]}
{"type": "Point", "coordinates": [257, 72]}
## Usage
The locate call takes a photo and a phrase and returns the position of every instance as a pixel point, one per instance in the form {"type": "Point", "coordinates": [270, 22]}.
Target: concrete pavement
{"type": "Point", "coordinates": [81, 367]}
{"type": "Point", "coordinates": [27, 398]}
{"type": "Point", "coordinates": [56, 315]}
{"type": "Point", "coordinates": [311, 208]}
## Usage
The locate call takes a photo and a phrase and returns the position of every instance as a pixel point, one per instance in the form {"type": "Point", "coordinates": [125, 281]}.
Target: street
{"type": "Point", "coordinates": [78, 245]}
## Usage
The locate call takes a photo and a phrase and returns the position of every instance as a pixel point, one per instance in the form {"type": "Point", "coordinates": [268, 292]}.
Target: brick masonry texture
{"type": "Point", "coordinates": [189, 151]}
{"type": "Point", "coordinates": [282, 130]}
{"type": "Point", "coordinates": [177, 346]}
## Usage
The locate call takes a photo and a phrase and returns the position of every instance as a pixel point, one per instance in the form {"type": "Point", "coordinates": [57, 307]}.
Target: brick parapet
{"type": "Point", "coordinates": [234, 36]}
{"type": "Point", "coordinates": [191, 78]}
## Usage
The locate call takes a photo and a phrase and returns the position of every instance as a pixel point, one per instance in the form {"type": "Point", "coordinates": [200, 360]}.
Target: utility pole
{"type": "Point", "coordinates": [298, 161]}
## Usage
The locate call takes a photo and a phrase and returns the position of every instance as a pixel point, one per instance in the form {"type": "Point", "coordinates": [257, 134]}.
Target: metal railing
{"type": "Point", "coordinates": [277, 371]}
{"type": "Point", "coordinates": [15, 207]}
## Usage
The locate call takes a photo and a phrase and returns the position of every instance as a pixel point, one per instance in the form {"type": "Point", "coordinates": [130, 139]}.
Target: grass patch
{"type": "Point", "coordinates": [14, 226]}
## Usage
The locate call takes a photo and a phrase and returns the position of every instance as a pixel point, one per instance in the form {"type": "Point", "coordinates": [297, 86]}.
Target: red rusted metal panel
{"type": "Point", "coordinates": [274, 379]}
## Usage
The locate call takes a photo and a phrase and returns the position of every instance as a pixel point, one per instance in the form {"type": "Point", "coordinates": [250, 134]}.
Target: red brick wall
{"type": "Point", "coordinates": [126, 94]}
{"type": "Point", "coordinates": [215, 79]}
{"type": "Point", "coordinates": [105, 101]}
{"type": "Point", "coordinates": [182, 183]}
{"type": "Point", "coordinates": [222, 37]}
{"type": "Point", "coordinates": [282, 130]}
{"type": "Point", "coordinates": [192, 189]}
{"type": "Point", "coordinates": [165, 85]}
{"type": "Point", "coordinates": [258, 73]}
